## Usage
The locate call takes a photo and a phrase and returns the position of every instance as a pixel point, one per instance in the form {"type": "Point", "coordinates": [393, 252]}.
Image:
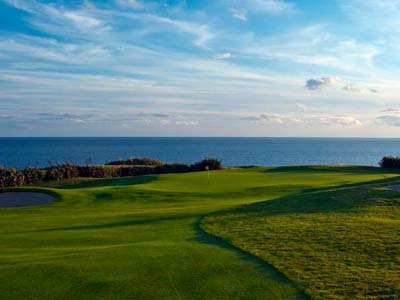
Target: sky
{"type": "Point", "coordinates": [301, 68]}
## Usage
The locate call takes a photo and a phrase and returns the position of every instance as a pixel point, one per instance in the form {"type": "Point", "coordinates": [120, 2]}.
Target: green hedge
{"type": "Point", "coordinates": [10, 177]}
{"type": "Point", "coordinates": [136, 161]}
{"type": "Point", "coordinates": [60, 172]}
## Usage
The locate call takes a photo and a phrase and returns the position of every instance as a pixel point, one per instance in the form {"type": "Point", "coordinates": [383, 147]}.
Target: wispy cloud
{"type": "Point", "coordinates": [391, 120]}
{"type": "Point", "coordinates": [348, 121]}
{"type": "Point", "coordinates": [310, 120]}
{"type": "Point", "coordinates": [131, 62]}
{"type": "Point", "coordinates": [225, 55]}
{"type": "Point", "coordinates": [238, 14]}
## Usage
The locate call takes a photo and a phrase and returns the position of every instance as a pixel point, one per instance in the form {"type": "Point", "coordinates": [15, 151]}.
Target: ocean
{"type": "Point", "coordinates": [41, 152]}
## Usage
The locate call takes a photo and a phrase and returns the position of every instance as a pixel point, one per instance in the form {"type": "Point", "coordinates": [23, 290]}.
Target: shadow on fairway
{"type": "Point", "coordinates": [207, 238]}
{"type": "Point", "coordinates": [302, 202]}
{"type": "Point", "coordinates": [131, 222]}
{"type": "Point", "coordinates": [308, 201]}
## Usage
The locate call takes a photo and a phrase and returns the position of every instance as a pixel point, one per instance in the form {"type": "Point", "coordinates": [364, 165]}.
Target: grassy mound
{"type": "Point", "coordinates": [138, 238]}
{"type": "Point", "coordinates": [339, 244]}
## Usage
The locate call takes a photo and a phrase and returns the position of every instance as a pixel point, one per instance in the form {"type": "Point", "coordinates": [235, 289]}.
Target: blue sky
{"type": "Point", "coordinates": [200, 68]}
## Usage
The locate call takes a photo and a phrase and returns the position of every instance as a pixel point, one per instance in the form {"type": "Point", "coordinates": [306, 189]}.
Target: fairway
{"type": "Point", "coordinates": [139, 237]}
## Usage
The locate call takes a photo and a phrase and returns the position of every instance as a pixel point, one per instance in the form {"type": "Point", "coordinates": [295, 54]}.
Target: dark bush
{"type": "Point", "coordinates": [207, 164]}
{"type": "Point", "coordinates": [390, 162]}
{"type": "Point", "coordinates": [173, 168]}
{"type": "Point", "coordinates": [63, 171]}
{"type": "Point", "coordinates": [137, 170]}
{"type": "Point", "coordinates": [99, 171]}
{"type": "Point", "coordinates": [136, 161]}
{"type": "Point", "coordinates": [11, 177]}
{"type": "Point", "coordinates": [32, 175]}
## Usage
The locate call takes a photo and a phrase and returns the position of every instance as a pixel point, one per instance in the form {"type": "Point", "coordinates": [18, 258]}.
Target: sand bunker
{"type": "Point", "coordinates": [17, 199]}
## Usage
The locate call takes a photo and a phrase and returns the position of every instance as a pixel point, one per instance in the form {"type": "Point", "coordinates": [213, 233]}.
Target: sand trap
{"type": "Point", "coordinates": [394, 187]}
{"type": "Point", "coordinates": [17, 199]}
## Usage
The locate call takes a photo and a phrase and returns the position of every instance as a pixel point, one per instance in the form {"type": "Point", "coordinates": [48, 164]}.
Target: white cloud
{"type": "Point", "coordinates": [339, 121]}
{"type": "Point", "coordinates": [268, 119]}
{"type": "Point", "coordinates": [166, 120]}
{"type": "Point", "coordinates": [225, 55]}
{"type": "Point", "coordinates": [187, 123]}
{"type": "Point", "coordinates": [238, 14]}
{"type": "Point", "coordinates": [57, 19]}
{"type": "Point", "coordinates": [82, 20]}
{"type": "Point", "coordinates": [311, 120]}
{"type": "Point", "coordinates": [316, 84]}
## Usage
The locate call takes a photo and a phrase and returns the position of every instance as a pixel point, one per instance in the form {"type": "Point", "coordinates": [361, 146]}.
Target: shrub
{"type": "Point", "coordinates": [390, 162]}
{"type": "Point", "coordinates": [98, 171]}
{"type": "Point", "coordinates": [173, 168]}
{"type": "Point", "coordinates": [137, 170]}
{"type": "Point", "coordinates": [136, 161]}
{"type": "Point", "coordinates": [63, 171]}
{"type": "Point", "coordinates": [131, 167]}
{"type": "Point", "coordinates": [32, 175]}
{"type": "Point", "coordinates": [11, 177]}
{"type": "Point", "coordinates": [207, 164]}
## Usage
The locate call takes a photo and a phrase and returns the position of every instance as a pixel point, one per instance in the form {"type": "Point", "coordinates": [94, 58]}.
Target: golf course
{"type": "Point", "coordinates": [282, 233]}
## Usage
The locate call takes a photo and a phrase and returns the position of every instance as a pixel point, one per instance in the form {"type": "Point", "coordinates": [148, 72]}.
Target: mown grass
{"type": "Point", "coordinates": [338, 244]}
{"type": "Point", "coordinates": [137, 238]}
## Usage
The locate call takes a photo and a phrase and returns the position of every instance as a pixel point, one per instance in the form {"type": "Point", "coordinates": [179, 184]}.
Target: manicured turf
{"type": "Point", "coordinates": [138, 238]}
{"type": "Point", "coordinates": [338, 244]}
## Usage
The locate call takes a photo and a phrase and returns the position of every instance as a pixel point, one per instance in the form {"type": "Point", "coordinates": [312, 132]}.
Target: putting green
{"type": "Point", "coordinates": [138, 238]}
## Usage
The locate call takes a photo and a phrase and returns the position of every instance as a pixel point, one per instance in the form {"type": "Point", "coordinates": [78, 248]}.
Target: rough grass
{"type": "Point", "coordinates": [338, 244]}
{"type": "Point", "coordinates": [137, 238]}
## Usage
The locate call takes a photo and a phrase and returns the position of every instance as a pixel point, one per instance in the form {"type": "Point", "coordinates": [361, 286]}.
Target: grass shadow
{"type": "Point", "coordinates": [336, 199]}
{"type": "Point", "coordinates": [132, 222]}
{"type": "Point", "coordinates": [377, 182]}
{"type": "Point", "coordinates": [205, 237]}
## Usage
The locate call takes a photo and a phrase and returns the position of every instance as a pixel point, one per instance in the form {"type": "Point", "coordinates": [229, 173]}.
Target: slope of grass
{"type": "Point", "coordinates": [137, 238]}
{"type": "Point", "coordinates": [338, 244]}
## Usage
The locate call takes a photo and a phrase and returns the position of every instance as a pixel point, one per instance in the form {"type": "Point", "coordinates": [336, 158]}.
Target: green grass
{"type": "Point", "coordinates": [337, 244]}
{"type": "Point", "coordinates": [138, 238]}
